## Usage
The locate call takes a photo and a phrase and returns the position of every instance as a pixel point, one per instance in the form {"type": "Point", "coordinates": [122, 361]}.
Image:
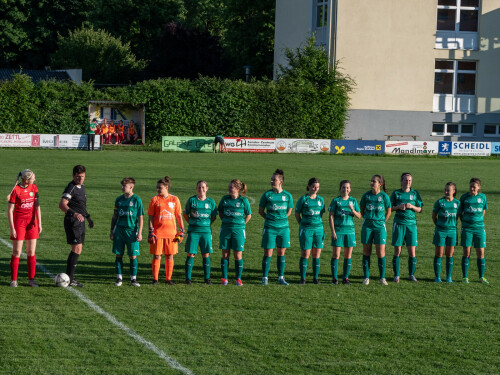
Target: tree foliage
{"type": "Point", "coordinates": [102, 57]}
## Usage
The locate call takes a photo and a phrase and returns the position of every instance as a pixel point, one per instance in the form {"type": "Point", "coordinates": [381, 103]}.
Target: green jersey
{"type": "Point", "coordinates": [406, 217]}
{"type": "Point", "coordinates": [343, 218]}
{"type": "Point", "coordinates": [446, 213]}
{"type": "Point", "coordinates": [129, 210]}
{"type": "Point", "coordinates": [311, 211]}
{"type": "Point", "coordinates": [92, 128]}
{"type": "Point", "coordinates": [471, 209]}
{"type": "Point", "coordinates": [276, 206]}
{"type": "Point", "coordinates": [375, 206]}
{"type": "Point", "coordinates": [200, 214]}
{"type": "Point", "coordinates": [234, 211]}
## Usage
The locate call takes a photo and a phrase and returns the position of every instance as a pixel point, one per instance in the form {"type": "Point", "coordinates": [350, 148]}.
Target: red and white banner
{"type": "Point", "coordinates": [19, 140]}
{"type": "Point", "coordinates": [47, 140]}
{"type": "Point", "coordinates": [249, 144]}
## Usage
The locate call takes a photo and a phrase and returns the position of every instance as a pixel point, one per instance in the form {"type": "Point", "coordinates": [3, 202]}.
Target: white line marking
{"type": "Point", "coordinates": [148, 344]}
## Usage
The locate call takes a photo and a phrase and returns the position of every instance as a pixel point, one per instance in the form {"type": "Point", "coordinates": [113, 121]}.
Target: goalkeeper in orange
{"type": "Point", "coordinates": [165, 216]}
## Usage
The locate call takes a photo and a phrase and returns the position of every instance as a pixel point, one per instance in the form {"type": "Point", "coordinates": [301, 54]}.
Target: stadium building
{"type": "Point", "coordinates": [427, 69]}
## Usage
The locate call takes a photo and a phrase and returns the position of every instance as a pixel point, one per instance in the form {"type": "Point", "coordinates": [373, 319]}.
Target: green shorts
{"type": "Point", "coordinates": [373, 235]}
{"type": "Point", "coordinates": [126, 237]}
{"type": "Point", "coordinates": [344, 240]}
{"type": "Point", "coordinates": [232, 239]}
{"type": "Point", "coordinates": [468, 237]}
{"type": "Point", "coordinates": [445, 237]}
{"type": "Point", "coordinates": [272, 237]}
{"type": "Point", "coordinates": [404, 235]}
{"type": "Point", "coordinates": [203, 240]}
{"type": "Point", "coordinates": [312, 237]}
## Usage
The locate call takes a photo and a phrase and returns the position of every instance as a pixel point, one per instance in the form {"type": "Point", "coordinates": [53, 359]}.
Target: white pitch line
{"type": "Point", "coordinates": [148, 344]}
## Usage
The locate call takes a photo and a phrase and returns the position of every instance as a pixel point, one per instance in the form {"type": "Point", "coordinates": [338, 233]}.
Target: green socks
{"type": "Point", "coordinates": [266, 264]}
{"type": "Point", "coordinates": [449, 268]}
{"type": "Point", "coordinates": [437, 267]}
{"type": "Point", "coordinates": [134, 265]}
{"type": "Point", "coordinates": [316, 266]}
{"type": "Point", "coordinates": [465, 267]}
{"type": "Point", "coordinates": [224, 264]}
{"type": "Point", "coordinates": [381, 267]}
{"type": "Point", "coordinates": [206, 267]}
{"type": "Point", "coordinates": [481, 266]}
{"type": "Point", "coordinates": [366, 266]}
{"type": "Point", "coordinates": [396, 265]}
{"type": "Point", "coordinates": [281, 265]}
{"type": "Point", "coordinates": [119, 265]}
{"type": "Point", "coordinates": [303, 267]}
{"type": "Point", "coordinates": [334, 263]}
{"type": "Point", "coordinates": [238, 268]}
{"type": "Point", "coordinates": [412, 265]}
{"type": "Point", "coordinates": [347, 267]}
{"type": "Point", "coordinates": [189, 267]}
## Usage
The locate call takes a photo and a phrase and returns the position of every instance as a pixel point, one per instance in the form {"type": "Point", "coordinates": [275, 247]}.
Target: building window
{"type": "Point", "coordinates": [492, 130]}
{"type": "Point", "coordinates": [320, 21]}
{"type": "Point", "coordinates": [443, 128]}
{"type": "Point", "coordinates": [457, 24]}
{"type": "Point", "coordinates": [455, 86]}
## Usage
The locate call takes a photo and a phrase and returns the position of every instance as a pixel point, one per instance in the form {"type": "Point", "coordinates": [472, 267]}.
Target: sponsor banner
{"type": "Point", "coordinates": [67, 141]}
{"type": "Point", "coordinates": [303, 145]}
{"type": "Point", "coordinates": [190, 144]}
{"type": "Point", "coordinates": [445, 148]}
{"type": "Point", "coordinates": [357, 147]}
{"type": "Point", "coordinates": [471, 148]}
{"type": "Point", "coordinates": [495, 147]}
{"type": "Point", "coordinates": [411, 147]}
{"type": "Point", "coordinates": [250, 144]}
{"type": "Point", "coordinates": [19, 140]}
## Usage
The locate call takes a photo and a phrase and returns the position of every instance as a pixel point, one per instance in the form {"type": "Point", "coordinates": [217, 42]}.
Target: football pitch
{"type": "Point", "coordinates": [405, 328]}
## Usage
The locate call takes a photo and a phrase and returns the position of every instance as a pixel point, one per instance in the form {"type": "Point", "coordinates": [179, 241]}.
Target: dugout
{"type": "Point", "coordinates": [116, 111]}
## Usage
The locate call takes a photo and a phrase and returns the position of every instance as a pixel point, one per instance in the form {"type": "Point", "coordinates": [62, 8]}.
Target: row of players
{"type": "Point", "coordinates": [110, 129]}
{"type": "Point", "coordinates": [166, 227]}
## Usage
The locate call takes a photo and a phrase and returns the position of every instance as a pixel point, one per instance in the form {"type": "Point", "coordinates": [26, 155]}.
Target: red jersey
{"type": "Point", "coordinates": [165, 211]}
{"type": "Point", "coordinates": [24, 200]}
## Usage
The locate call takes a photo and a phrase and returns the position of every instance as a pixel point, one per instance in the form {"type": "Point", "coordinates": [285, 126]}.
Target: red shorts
{"type": "Point", "coordinates": [164, 246]}
{"type": "Point", "coordinates": [26, 229]}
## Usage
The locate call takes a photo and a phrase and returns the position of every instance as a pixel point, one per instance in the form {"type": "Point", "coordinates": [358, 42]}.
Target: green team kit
{"type": "Point", "coordinates": [127, 225]}
{"type": "Point", "coordinates": [201, 213]}
{"type": "Point", "coordinates": [472, 209]}
{"type": "Point", "coordinates": [343, 220]}
{"type": "Point", "coordinates": [233, 213]}
{"type": "Point", "coordinates": [373, 229]}
{"type": "Point", "coordinates": [404, 230]}
{"type": "Point", "coordinates": [311, 231]}
{"type": "Point", "coordinates": [276, 232]}
{"type": "Point", "coordinates": [445, 232]}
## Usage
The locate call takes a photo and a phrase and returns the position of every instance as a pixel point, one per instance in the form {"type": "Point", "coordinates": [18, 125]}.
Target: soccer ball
{"type": "Point", "coordinates": [62, 280]}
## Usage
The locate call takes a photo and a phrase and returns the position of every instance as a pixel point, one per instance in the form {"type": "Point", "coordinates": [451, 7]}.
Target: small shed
{"type": "Point", "coordinates": [116, 111]}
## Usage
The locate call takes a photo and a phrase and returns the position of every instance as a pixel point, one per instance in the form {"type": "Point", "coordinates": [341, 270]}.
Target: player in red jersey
{"type": "Point", "coordinates": [165, 215]}
{"type": "Point", "coordinates": [25, 221]}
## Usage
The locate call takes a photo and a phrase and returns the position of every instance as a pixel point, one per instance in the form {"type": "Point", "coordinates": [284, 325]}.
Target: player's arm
{"type": "Point", "coordinates": [38, 214]}
{"type": "Point", "coordinates": [353, 211]}
{"type": "Point", "coordinates": [434, 217]}
{"type": "Point", "coordinates": [414, 208]}
{"type": "Point", "coordinates": [332, 225]}
{"type": "Point", "coordinates": [387, 213]}
{"type": "Point", "coordinates": [180, 222]}
{"type": "Point", "coordinates": [10, 215]}
{"type": "Point", "coordinates": [289, 212]}
{"type": "Point", "coordinates": [247, 219]}
{"type": "Point", "coordinates": [297, 217]}
{"type": "Point", "coordinates": [262, 212]}
{"type": "Point", "coordinates": [113, 224]}
{"type": "Point", "coordinates": [63, 206]}
{"type": "Point", "coordinates": [141, 226]}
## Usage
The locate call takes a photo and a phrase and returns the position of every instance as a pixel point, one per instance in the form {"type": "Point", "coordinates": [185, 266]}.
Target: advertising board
{"type": "Point", "coordinates": [411, 147]}
{"type": "Point", "coordinates": [250, 144]}
{"type": "Point", "coordinates": [190, 144]}
{"type": "Point", "coordinates": [67, 141]}
{"type": "Point", "coordinates": [445, 148]}
{"type": "Point", "coordinates": [495, 147]}
{"type": "Point", "coordinates": [357, 147]}
{"type": "Point", "coordinates": [302, 145]}
{"type": "Point", "coordinates": [19, 140]}
{"type": "Point", "coordinates": [471, 148]}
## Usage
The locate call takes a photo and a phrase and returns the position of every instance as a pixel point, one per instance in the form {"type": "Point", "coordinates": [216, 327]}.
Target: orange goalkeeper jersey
{"type": "Point", "coordinates": [104, 129]}
{"type": "Point", "coordinates": [164, 211]}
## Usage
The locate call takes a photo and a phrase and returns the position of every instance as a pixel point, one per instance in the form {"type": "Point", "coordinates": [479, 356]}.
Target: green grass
{"type": "Point", "coordinates": [419, 328]}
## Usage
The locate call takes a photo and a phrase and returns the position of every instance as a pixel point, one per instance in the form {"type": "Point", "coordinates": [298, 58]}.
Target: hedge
{"type": "Point", "coordinates": [203, 107]}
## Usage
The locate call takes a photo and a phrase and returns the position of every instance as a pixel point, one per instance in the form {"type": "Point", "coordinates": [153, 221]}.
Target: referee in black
{"type": "Point", "coordinates": [74, 204]}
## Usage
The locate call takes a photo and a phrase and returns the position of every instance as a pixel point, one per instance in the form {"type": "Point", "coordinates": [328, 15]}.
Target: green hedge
{"type": "Point", "coordinates": [202, 107]}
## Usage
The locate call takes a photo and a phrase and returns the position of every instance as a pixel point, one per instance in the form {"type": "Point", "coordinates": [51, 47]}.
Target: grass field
{"type": "Point", "coordinates": [409, 328]}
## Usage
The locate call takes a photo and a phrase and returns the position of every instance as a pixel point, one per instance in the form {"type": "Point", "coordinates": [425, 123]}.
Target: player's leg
{"type": "Point", "coordinates": [171, 248]}
{"type": "Point", "coordinates": [438, 255]}
{"type": "Point", "coordinates": [225, 238]}
{"type": "Point", "coordinates": [156, 249]}
{"type": "Point", "coordinates": [17, 247]}
{"type": "Point", "coordinates": [224, 265]}
{"type": "Point", "coordinates": [466, 243]}
{"type": "Point", "coordinates": [304, 259]}
{"type": "Point", "coordinates": [411, 244]}
{"type": "Point", "coordinates": [380, 240]}
{"type": "Point", "coordinates": [282, 243]}
{"type": "Point", "coordinates": [347, 264]}
{"type": "Point", "coordinates": [367, 241]}
{"type": "Point", "coordinates": [191, 249]}
{"type": "Point", "coordinates": [238, 266]}
{"type": "Point", "coordinates": [268, 243]}
{"type": "Point", "coordinates": [133, 252]}
{"type": "Point", "coordinates": [31, 238]}
{"type": "Point", "coordinates": [479, 244]}
{"type": "Point", "coordinates": [397, 242]}
{"type": "Point", "coordinates": [449, 262]}
{"type": "Point", "coordinates": [334, 262]}
{"type": "Point", "coordinates": [316, 254]}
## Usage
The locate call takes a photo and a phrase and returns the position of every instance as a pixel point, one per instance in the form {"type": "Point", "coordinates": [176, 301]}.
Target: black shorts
{"type": "Point", "coordinates": [218, 140]}
{"type": "Point", "coordinates": [75, 230]}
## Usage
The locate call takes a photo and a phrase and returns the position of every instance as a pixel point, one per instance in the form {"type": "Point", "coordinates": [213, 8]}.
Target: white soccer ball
{"type": "Point", "coordinates": [62, 280]}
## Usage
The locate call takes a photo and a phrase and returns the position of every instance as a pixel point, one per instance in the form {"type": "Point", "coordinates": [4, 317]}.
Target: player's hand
{"type": "Point", "coordinates": [13, 233]}
{"type": "Point", "coordinates": [402, 206]}
{"type": "Point", "coordinates": [179, 236]}
{"type": "Point", "coordinates": [152, 238]}
{"type": "Point", "coordinates": [91, 223]}
{"type": "Point", "coordinates": [111, 235]}
{"type": "Point", "coordinates": [39, 228]}
{"type": "Point", "coordinates": [334, 235]}
{"type": "Point", "coordinates": [351, 206]}
{"type": "Point", "coordinates": [79, 217]}
{"type": "Point", "coordinates": [139, 237]}
{"type": "Point", "coordinates": [409, 206]}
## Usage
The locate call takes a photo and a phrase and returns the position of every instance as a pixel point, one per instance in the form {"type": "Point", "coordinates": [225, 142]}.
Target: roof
{"type": "Point", "coordinates": [36, 75]}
